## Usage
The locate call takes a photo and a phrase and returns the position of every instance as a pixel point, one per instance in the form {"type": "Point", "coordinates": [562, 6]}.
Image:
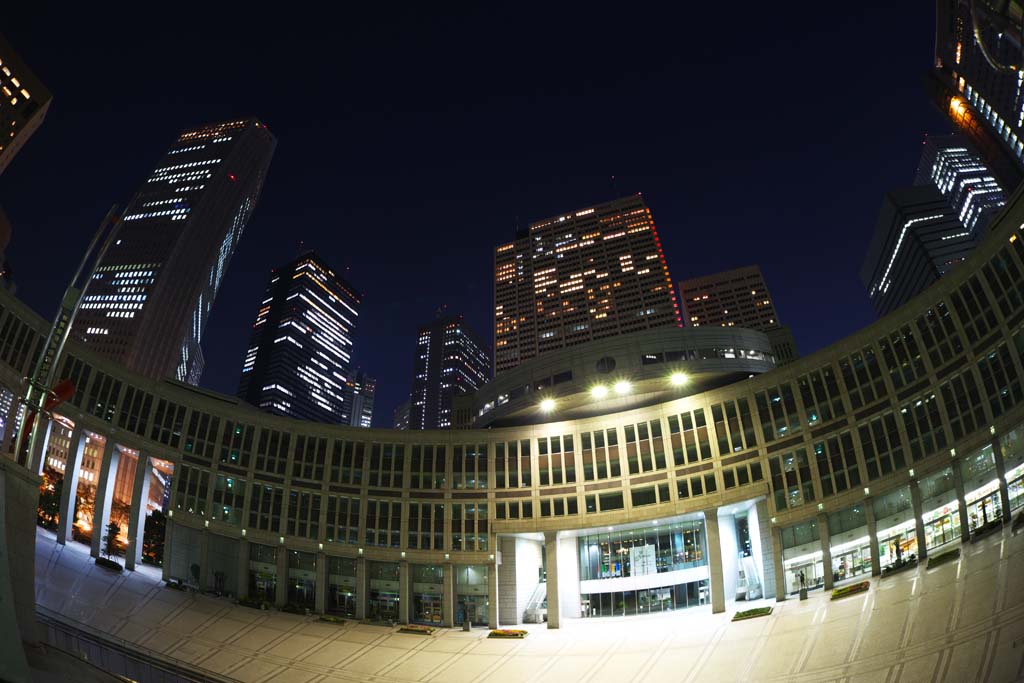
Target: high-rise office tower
{"type": "Point", "coordinates": [23, 103]}
{"type": "Point", "coordinates": [400, 418]}
{"type": "Point", "coordinates": [148, 302]}
{"type": "Point", "coordinates": [951, 164]}
{"type": "Point", "coordinates": [300, 353]}
{"type": "Point", "coordinates": [588, 274]}
{"type": "Point", "coordinates": [977, 80]}
{"type": "Point", "coordinates": [918, 238]}
{"type": "Point", "coordinates": [450, 360]}
{"type": "Point", "coordinates": [737, 298]}
{"type": "Point", "coordinates": [359, 392]}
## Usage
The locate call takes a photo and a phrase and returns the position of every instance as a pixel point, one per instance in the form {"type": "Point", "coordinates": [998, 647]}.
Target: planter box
{"type": "Point", "coordinates": [417, 629]}
{"type": "Point", "coordinates": [507, 633]}
{"type": "Point", "coordinates": [752, 613]}
{"type": "Point", "coordinates": [852, 589]}
{"type": "Point", "coordinates": [938, 560]}
{"type": "Point", "coordinates": [109, 564]}
{"type": "Point", "coordinates": [331, 619]}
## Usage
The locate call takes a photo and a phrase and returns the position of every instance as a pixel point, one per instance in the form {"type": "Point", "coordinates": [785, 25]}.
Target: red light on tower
{"type": "Point", "coordinates": [231, 177]}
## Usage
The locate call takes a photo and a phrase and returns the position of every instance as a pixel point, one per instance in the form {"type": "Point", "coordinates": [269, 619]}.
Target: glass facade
{"type": "Point", "coordinates": [302, 579]}
{"type": "Point", "coordinates": [384, 591]}
{"type": "Point", "coordinates": [262, 572]}
{"type": "Point", "coordinates": [471, 594]}
{"type": "Point", "coordinates": [341, 581]}
{"type": "Point", "coordinates": [427, 591]}
{"type": "Point", "coordinates": [633, 552]}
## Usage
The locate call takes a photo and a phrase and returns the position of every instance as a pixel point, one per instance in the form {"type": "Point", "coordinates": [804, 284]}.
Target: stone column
{"type": "Point", "coordinates": [37, 459]}
{"type": "Point", "coordinates": [137, 511]}
{"type": "Point", "coordinates": [714, 547]}
{"type": "Point", "coordinates": [69, 492]}
{"type": "Point", "coordinates": [320, 604]}
{"type": "Point", "coordinates": [362, 588]}
{"type": "Point", "coordinates": [104, 494]}
{"type": "Point", "coordinates": [961, 497]}
{"type": "Point", "coordinates": [281, 594]}
{"type": "Point", "coordinates": [781, 587]}
{"type": "Point", "coordinates": [404, 592]}
{"type": "Point", "coordinates": [448, 597]}
{"type": "Point", "coordinates": [492, 596]}
{"type": "Point", "coordinates": [168, 545]}
{"type": "Point", "coordinates": [7, 443]}
{"type": "Point", "coordinates": [1004, 491]}
{"type": "Point", "coordinates": [243, 568]}
{"type": "Point", "coordinates": [826, 549]}
{"type": "Point", "coordinates": [551, 559]}
{"type": "Point", "coordinates": [876, 558]}
{"type": "Point", "coordinates": [915, 500]}
{"type": "Point", "coordinates": [205, 575]}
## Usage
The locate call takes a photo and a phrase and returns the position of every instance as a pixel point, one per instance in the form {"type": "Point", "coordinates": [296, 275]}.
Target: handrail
{"type": "Point", "coordinates": [167, 663]}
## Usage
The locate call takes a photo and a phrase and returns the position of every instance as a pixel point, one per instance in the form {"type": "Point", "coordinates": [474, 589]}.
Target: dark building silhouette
{"type": "Point", "coordinates": [450, 360]}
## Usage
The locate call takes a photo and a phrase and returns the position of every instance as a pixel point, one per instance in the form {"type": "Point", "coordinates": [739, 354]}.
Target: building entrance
{"type": "Point", "coordinates": [383, 605]}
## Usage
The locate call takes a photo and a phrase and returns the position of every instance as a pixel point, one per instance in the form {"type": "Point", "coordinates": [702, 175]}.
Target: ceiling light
{"type": "Point", "coordinates": [679, 379]}
{"type": "Point", "coordinates": [599, 391]}
{"type": "Point", "coordinates": [623, 387]}
{"type": "Point", "coordinates": [547, 405]}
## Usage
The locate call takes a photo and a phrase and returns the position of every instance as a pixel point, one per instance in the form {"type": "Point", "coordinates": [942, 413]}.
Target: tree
{"type": "Point", "coordinates": [49, 498]}
{"type": "Point", "coordinates": [110, 540]}
{"type": "Point", "coordinates": [153, 538]}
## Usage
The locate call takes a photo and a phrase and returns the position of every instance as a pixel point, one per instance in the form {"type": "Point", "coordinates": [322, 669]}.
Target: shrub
{"type": "Point", "coordinates": [507, 633]}
{"type": "Point", "coordinates": [109, 564]}
{"type": "Point", "coordinates": [331, 619]}
{"type": "Point", "coordinates": [852, 589]}
{"type": "Point", "coordinates": [937, 560]}
{"type": "Point", "coordinates": [752, 613]}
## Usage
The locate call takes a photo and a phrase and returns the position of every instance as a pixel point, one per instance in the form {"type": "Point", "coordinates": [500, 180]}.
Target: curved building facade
{"type": "Point", "coordinates": [901, 438]}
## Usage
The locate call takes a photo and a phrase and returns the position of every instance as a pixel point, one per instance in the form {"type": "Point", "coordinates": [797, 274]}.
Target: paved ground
{"type": "Point", "coordinates": [963, 621]}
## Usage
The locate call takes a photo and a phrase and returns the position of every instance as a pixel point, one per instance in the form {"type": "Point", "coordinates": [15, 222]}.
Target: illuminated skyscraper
{"type": "Point", "coordinates": [151, 295]}
{"type": "Point", "coordinates": [592, 273]}
{"type": "Point", "coordinates": [23, 103]}
{"type": "Point", "coordinates": [450, 360]}
{"type": "Point", "coordinates": [917, 240]}
{"type": "Point", "coordinates": [977, 80]}
{"type": "Point", "coordinates": [300, 354]}
{"type": "Point", "coordinates": [951, 164]}
{"type": "Point", "coordinates": [359, 393]}
{"type": "Point", "coordinates": [737, 298]}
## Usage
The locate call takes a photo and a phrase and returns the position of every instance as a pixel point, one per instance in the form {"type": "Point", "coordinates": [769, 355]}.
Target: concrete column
{"type": "Point", "coordinates": [243, 568]}
{"type": "Point", "coordinates": [205, 575]}
{"type": "Point", "coordinates": [876, 558]}
{"type": "Point", "coordinates": [448, 597]}
{"type": "Point", "coordinates": [551, 559]}
{"type": "Point", "coordinates": [168, 545]}
{"type": "Point", "coordinates": [320, 604]}
{"type": "Point", "coordinates": [281, 594]}
{"type": "Point", "coordinates": [362, 588]}
{"type": "Point", "coordinates": [492, 596]}
{"type": "Point", "coordinates": [37, 459]}
{"type": "Point", "coordinates": [915, 500]}
{"type": "Point", "coordinates": [137, 511]}
{"type": "Point", "coordinates": [1004, 491]}
{"type": "Point", "coordinates": [404, 592]}
{"type": "Point", "coordinates": [7, 442]}
{"type": "Point", "coordinates": [961, 497]}
{"type": "Point", "coordinates": [826, 549]}
{"type": "Point", "coordinates": [781, 586]}
{"type": "Point", "coordinates": [104, 495]}
{"type": "Point", "coordinates": [69, 492]}
{"type": "Point", "coordinates": [714, 546]}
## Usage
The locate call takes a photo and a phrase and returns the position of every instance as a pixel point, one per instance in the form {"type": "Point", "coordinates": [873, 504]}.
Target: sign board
{"type": "Point", "coordinates": [643, 560]}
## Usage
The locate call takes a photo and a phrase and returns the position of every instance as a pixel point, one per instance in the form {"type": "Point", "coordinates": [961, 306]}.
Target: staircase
{"type": "Point", "coordinates": [537, 608]}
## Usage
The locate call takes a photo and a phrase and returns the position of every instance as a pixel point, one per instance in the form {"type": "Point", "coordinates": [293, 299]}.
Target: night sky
{"type": "Point", "coordinates": [411, 143]}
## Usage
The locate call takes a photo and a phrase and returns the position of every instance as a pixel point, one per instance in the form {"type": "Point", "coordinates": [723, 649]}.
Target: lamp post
{"type": "Point", "coordinates": [39, 396]}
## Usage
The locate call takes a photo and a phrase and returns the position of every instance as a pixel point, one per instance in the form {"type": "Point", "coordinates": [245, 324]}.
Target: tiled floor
{"type": "Point", "coordinates": [962, 621]}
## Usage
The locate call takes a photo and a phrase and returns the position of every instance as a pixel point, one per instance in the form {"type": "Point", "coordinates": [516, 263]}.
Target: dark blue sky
{"type": "Point", "coordinates": [409, 144]}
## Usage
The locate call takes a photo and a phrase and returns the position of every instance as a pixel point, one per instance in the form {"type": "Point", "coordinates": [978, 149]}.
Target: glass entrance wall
{"type": "Point", "coordinates": [639, 552]}
{"type": "Point", "coordinates": [262, 572]}
{"type": "Point", "coordinates": [341, 586]}
{"type": "Point", "coordinates": [1012, 444]}
{"type": "Point", "coordinates": [302, 579]}
{"type": "Point", "coordinates": [427, 593]}
{"type": "Point", "coordinates": [897, 544]}
{"type": "Point", "coordinates": [382, 604]}
{"type": "Point", "coordinates": [941, 508]}
{"type": "Point", "coordinates": [849, 543]}
{"type": "Point", "coordinates": [471, 594]}
{"type": "Point", "coordinates": [984, 505]}
{"type": "Point", "coordinates": [646, 600]}
{"type": "Point", "coordinates": [801, 554]}
{"type": "Point", "coordinates": [1015, 487]}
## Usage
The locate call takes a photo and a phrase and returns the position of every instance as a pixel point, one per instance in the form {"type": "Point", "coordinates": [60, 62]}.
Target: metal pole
{"type": "Point", "coordinates": [41, 380]}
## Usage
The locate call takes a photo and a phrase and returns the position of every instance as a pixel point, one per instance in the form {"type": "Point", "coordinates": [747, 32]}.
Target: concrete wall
{"type": "Point", "coordinates": [568, 578]}
{"type": "Point", "coordinates": [20, 489]}
{"type": "Point", "coordinates": [762, 546]}
{"type": "Point", "coordinates": [186, 552]}
{"type": "Point", "coordinates": [507, 599]}
{"type": "Point", "coordinates": [521, 561]}
{"type": "Point", "coordinates": [223, 557]}
{"type": "Point", "coordinates": [730, 552]}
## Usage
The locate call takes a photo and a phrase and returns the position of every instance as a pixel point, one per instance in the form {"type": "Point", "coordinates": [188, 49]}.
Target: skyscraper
{"type": "Point", "coordinates": [23, 104]}
{"type": "Point", "coordinates": [400, 418]}
{"type": "Point", "coordinates": [977, 80]}
{"type": "Point", "coordinates": [148, 302]}
{"type": "Point", "coordinates": [918, 238]}
{"type": "Point", "coordinates": [592, 273]}
{"type": "Point", "coordinates": [450, 360]}
{"type": "Point", "coordinates": [359, 392]}
{"type": "Point", "coordinates": [737, 298]}
{"type": "Point", "coordinates": [951, 164]}
{"type": "Point", "coordinates": [300, 353]}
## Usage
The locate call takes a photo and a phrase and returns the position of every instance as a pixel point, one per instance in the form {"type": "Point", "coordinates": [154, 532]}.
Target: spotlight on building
{"type": "Point", "coordinates": [599, 391]}
{"type": "Point", "coordinates": [547, 405]}
{"type": "Point", "coordinates": [679, 379]}
{"type": "Point", "coordinates": [623, 387]}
